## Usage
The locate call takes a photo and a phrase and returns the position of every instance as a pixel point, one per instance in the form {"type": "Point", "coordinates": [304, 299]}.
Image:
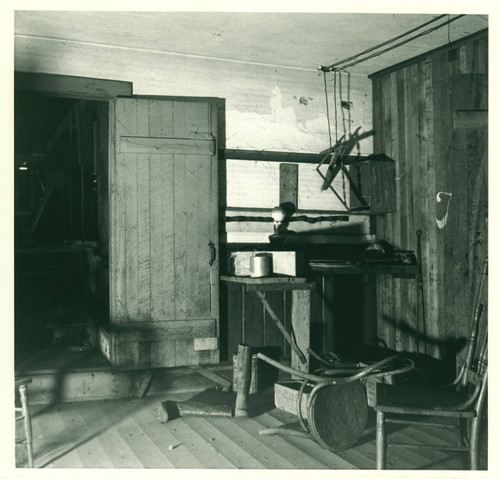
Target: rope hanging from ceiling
{"type": "Point", "coordinates": [342, 146]}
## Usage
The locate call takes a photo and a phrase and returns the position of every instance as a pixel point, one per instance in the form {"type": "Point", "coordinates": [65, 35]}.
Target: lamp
{"type": "Point", "coordinates": [278, 214]}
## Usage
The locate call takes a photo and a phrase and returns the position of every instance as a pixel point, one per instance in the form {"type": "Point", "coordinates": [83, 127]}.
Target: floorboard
{"type": "Point", "coordinates": [159, 434]}
{"type": "Point", "coordinates": [115, 446]}
{"type": "Point", "coordinates": [300, 458]}
{"type": "Point", "coordinates": [89, 449]}
{"type": "Point", "coordinates": [237, 456]}
{"type": "Point", "coordinates": [424, 458]}
{"type": "Point", "coordinates": [53, 443]}
{"type": "Point", "coordinates": [127, 434]}
{"type": "Point", "coordinates": [308, 446]}
{"type": "Point", "coordinates": [239, 434]}
{"type": "Point", "coordinates": [134, 436]}
{"type": "Point", "coordinates": [203, 448]}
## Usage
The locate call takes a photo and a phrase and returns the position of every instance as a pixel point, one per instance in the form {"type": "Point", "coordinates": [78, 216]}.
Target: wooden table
{"type": "Point", "coordinates": [369, 271]}
{"type": "Point", "coordinates": [300, 288]}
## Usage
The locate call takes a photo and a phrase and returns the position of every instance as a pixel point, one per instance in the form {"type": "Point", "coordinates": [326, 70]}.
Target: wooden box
{"type": "Point", "coordinates": [374, 184]}
{"type": "Point", "coordinates": [286, 396]}
{"type": "Point", "coordinates": [288, 263]}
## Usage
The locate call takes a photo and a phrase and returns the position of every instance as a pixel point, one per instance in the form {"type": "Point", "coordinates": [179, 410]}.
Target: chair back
{"type": "Point", "coordinates": [474, 372]}
{"type": "Point", "coordinates": [477, 347]}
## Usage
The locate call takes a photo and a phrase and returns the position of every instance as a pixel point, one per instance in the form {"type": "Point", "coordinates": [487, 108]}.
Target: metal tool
{"type": "Point", "coordinates": [169, 410]}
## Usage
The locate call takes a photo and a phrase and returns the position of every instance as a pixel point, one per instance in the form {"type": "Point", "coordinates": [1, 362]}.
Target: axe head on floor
{"type": "Point", "coordinates": [169, 410]}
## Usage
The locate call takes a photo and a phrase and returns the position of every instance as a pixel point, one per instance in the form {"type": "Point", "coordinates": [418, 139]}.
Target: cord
{"type": "Point", "coordinates": [331, 67]}
{"type": "Point", "coordinates": [327, 110]}
{"type": "Point", "coordinates": [421, 34]}
{"type": "Point", "coordinates": [430, 30]}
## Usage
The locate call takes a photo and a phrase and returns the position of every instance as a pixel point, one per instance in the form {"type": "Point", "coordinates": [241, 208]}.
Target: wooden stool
{"type": "Point", "coordinates": [21, 386]}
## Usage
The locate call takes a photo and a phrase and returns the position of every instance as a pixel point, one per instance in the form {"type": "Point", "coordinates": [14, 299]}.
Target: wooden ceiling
{"type": "Point", "coordinates": [296, 40]}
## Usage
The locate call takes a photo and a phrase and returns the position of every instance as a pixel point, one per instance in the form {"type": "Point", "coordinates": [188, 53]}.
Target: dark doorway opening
{"type": "Point", "coordinates": [60, 190]}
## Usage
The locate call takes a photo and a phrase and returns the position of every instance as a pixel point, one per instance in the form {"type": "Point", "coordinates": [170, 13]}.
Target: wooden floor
{"type": "Point", "coordinates": [127, 434]}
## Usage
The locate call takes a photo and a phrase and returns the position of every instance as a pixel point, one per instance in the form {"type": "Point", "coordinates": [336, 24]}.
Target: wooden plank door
{"type": "Point", "coordinates": [163, 221]}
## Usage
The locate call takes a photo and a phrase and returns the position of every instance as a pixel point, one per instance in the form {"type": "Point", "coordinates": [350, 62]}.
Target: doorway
{"type": "Point", "coordinates": [66, 139]}
{"type": "Point", "coordinates": [60, 190]}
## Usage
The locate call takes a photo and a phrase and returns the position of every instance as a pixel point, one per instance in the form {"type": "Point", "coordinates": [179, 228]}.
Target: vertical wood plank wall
{"type": "Point", "coordinates": [415, 107]}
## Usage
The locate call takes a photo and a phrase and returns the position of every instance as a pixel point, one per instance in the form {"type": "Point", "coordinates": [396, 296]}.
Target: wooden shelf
{"type": "Point", "coordinates": [397, 270]}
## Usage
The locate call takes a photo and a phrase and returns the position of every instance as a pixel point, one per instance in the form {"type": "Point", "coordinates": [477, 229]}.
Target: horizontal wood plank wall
{"type": "Point", "coordinates": [441, 171]}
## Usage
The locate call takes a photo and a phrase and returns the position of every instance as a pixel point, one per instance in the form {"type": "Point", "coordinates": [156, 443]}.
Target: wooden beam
{"type": "Point", "coordinates": [292, 157]}
{"type": "Point", "coordinates": [171, 146]}
{"type": "Point", "coordinates": [289, 184]}
{"type": "Point", "coordinates": [241, 210]}
{"type": "Point", "coordinates": [334, 238]}
{"type": "Point", "coordinates": [280, 326]}
{"type": "Point", "coordinates": [71, 86]}
{"type": "Point", "coordinates": [262, 155]}
{"type": "Point", "coordinates": [301, 327]}
{"type": "Point", "coordinates": [280, 287]}
{"type": "Point", "coordinates": [264, 280]}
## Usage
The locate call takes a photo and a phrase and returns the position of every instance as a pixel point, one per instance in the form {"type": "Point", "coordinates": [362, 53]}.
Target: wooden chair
{"type": "Point", "coordinates": [463, 400]}
{"type": "Point", "coordinates": [21, 387]}
{"type": "Point", "coordinates": [336, 405]}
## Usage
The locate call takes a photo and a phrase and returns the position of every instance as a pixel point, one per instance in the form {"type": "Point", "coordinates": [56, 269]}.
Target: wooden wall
{"type": "Point", "coordinates": [430, 117]}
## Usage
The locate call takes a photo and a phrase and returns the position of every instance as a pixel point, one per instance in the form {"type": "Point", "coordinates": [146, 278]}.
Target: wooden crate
{"type": "Point", "coordinates": [289, 263]}
{"type": "Point", "coordinates": [286, 395]}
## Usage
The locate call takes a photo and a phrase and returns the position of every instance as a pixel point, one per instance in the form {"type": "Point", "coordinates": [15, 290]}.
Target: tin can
{"type": "Point", "coordinates": [260, 265]}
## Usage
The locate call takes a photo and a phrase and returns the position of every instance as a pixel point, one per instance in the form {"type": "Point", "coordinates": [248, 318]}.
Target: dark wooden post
{"type": "Point", "coordinates": [244, 375]}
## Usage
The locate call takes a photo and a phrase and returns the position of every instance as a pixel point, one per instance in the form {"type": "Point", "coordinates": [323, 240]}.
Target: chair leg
{"type": "Point", "coordinates": [381, 441]}
{"type": "Point", "coordinates": [461, 431]}
{"type": "Point", "coordinates": [23, 395]}
{"type": "Point", "coordinates": [474, 444]}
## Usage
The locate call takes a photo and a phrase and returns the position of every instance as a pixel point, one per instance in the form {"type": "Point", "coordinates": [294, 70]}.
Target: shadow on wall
{"type": "Point", "coordinates": [438, 371]}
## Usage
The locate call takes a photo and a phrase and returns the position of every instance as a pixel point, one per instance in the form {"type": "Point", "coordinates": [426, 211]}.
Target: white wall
{"type": "Point", "coordinates": [263, 107]}
{"type": "Point", "coordinates": [264, 110]}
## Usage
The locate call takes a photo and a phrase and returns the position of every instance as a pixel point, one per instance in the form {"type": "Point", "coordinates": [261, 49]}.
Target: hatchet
{"type": "Point", "coordinates": [170, 410]}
